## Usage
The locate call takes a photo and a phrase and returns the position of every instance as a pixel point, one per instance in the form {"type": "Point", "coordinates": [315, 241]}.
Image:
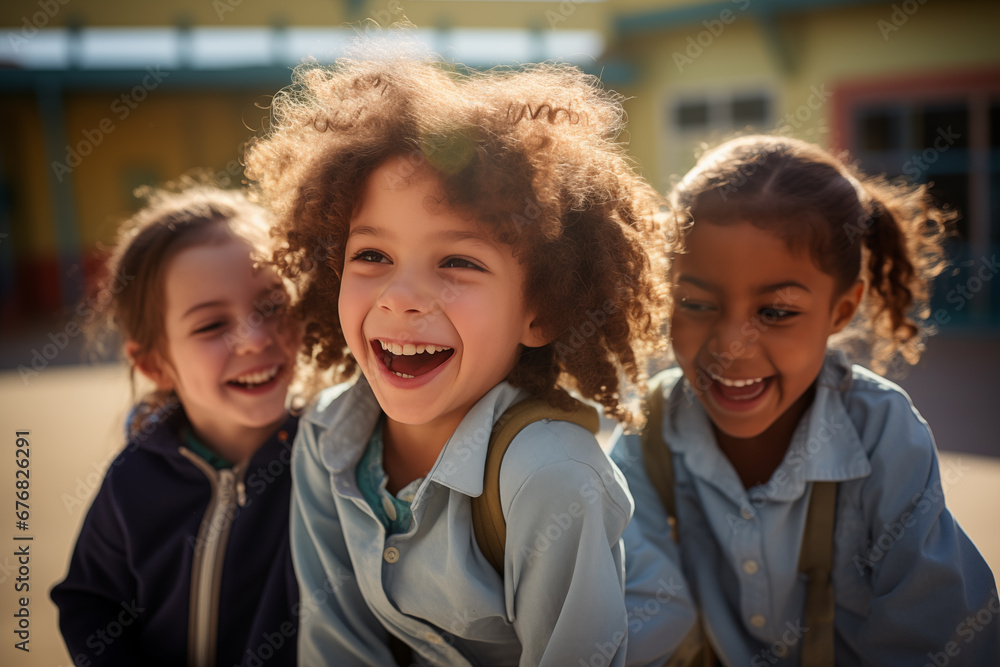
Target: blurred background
{"type": "Point", "coordinates": [100, 97]}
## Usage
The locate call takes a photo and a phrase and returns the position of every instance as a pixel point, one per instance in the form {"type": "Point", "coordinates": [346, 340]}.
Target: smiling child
{"type": "Point", "coordinates": [472, 226]}
{"type": "Point", "coordinates": [812, 522]}
{"type": "Point", "coordinates": [188, 533]}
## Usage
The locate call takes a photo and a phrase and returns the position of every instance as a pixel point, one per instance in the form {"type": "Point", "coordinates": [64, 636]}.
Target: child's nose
{"type": "Point", "coordinates": [407, 291]}
{"type": "Point", "coordinates": [259, 334]}
{"type": "Point", "coordinates": [735, 338]}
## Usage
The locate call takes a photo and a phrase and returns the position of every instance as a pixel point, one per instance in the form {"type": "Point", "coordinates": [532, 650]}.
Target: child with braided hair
{"type": "Point", "coordinates": [785, 248]}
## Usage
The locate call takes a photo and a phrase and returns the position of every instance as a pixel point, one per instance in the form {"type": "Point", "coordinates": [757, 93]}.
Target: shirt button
{"type": "Point", "coordinates": [746, 513]}
{"type": "Point", "coordinates": [391, 555]}
{"type": "Point", "coordinates": [757, 621]}
{"type": "Point", "coordinates": [750, 566]}
{"type": "Point", "coordinates": [433, 638]}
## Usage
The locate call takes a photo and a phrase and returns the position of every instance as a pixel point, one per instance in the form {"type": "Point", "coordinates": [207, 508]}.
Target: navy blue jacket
{"type": "Point", "coordinates": [165, 526]}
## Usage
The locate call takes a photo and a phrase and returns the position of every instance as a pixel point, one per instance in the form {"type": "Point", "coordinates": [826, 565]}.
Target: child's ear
{"type": "Point", "coordinates": [534, 336]}
{"type": "Point", "coordinates": [150, 365]}
{"type": "Point", "coordinates": [846, 305]}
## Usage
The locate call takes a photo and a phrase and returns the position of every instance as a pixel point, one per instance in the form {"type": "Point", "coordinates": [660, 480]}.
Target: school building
{"type": "Point", "coordinates": [105, 96]}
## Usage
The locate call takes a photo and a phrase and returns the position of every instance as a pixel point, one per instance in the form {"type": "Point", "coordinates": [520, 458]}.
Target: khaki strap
{"type": "Point", "coordinates": [488, 521]}
{"type": "Point", "coordinates": [815, 557]}
{"type": "Point", "coordinates": [694, 650]}
{"type": "Point", "coordinates": [656, 456]}
{"type": "Point", "coordinates": [816, 562]}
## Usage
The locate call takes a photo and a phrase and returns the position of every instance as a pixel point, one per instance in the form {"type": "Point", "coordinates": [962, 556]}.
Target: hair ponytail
{"type": "Point", "coordinates": [903, 254]}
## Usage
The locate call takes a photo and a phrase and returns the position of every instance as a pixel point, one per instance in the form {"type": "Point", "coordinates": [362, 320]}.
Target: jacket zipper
{"type": "Point", "coordinates": [228, 492]}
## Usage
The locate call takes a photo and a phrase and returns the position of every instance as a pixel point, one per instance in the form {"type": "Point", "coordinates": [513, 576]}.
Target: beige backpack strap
{"type": "Point", "coordinates": [488, 521]}
{"type": "Point", "coordinates": [656, 456]}
{"type": "Point", "coordinates": [816, 562]}
{"type": "Point", "coordinates": [694, 650]}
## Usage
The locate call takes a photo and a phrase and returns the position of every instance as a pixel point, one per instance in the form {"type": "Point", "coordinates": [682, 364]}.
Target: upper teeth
{"type": "Point", "coordinates": [734, 383]}
{"type": "Point", "coordinates": [259, 377]}
{"type": "Point", "coordinates": [410, 349]}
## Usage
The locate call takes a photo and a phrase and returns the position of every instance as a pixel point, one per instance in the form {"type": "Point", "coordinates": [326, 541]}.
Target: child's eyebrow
{"type": "Point", "coordinates": [202, 306]}
{"type": "Point", "coordinates": [763, 289]}
{"type": "Point", "coordinates": [365, 230]}
{"type": "Point", "coordinates": [465, 235]}
{"type": "Point", "coordinates": [697, 282]}
{"type": "Point", "coordinates": [767, 289]}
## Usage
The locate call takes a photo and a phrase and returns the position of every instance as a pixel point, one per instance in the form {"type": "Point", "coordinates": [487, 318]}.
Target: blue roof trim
{"type": "Point", "coordinates": [644, 22]}
{"type": "Point", "coordinates": [248, 78]}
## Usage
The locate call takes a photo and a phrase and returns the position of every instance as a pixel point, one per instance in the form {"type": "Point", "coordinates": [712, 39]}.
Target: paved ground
{"type": "Point", "coordinates": [74, 415]}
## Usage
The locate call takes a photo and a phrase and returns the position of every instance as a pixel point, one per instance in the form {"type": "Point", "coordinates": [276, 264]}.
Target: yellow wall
{"type": "Point", "coordinates": [24, 168]}
{"type": "Point", "coordinates": [209, 13]}
{"type": "Point", "coordinates": [827, 47]}
{"type": "Point", "coordinates": [167, 135]}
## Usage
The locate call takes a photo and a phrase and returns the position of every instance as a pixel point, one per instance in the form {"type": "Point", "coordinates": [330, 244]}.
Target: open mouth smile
{"type": "Point", "coordinates": [409, 360]}
{"type": "Point", "coordinates": [257, 381]}
{"type": "Point", "coordinates": [738, 393]}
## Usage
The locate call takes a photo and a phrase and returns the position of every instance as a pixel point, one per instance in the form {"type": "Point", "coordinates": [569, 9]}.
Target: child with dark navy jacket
{"type": "Point", "coordinates": [186, 545]}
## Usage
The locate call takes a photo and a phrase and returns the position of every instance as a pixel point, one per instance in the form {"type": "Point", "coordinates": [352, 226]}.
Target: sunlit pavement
{"type": "Point", "coordinates": [74, 415]}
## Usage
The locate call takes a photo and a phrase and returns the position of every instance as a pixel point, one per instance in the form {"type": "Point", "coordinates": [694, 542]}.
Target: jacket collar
{"type": "Point", "coordinates": [824, 447]}
{"type": "Point", "coordinates": [161, 434]}
{"type": "Point", "coordinates": [347, 415]}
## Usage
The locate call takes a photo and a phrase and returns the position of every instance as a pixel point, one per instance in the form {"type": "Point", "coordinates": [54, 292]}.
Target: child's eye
{"type": "Point", "coordinates": [371, 256]}
{"type": "Point", "coordinates": [777, 313]}
{"type": "Point", "coordinates": [460, 263]}
{"type": "Point", "coordinates": [211, 326]}
{"type": "Point", "coordinates": [696, 306]}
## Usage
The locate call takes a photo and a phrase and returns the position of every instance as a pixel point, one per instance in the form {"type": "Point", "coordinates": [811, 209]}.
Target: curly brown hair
{"type": "Point", "coordinates": [532, 153]}
{"type": "Point", "coordinates": [855, 226]}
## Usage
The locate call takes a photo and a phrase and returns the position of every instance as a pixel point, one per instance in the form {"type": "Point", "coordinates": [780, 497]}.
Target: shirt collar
{"type": "Point", "coordinates": [824, 447]}
{"type": "Point", "coordinates": [348, 423]}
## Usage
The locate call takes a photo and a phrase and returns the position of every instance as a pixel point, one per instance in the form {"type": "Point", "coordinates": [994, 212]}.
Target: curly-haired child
{"type": "Point", "coordinates": [811, 517]}
{"type": "Point", "coordinates": [480, 240]}
{"type": "Point", "coordinates": [185, 548]}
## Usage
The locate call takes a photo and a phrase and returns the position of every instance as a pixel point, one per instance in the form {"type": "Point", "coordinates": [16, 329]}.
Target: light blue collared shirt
{"type": "Point", "coordinates": [560, 601]}
{"type": "Point", "coordinates": [907, 579]}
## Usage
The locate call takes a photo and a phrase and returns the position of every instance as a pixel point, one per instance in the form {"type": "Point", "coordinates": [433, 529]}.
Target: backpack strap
{"type": "Point", "coordinates": [656, 456]}
{"type": "Point", "coordinates": [815, 556]}
{"type": "Point", "coordinates": [816, 562]}
{"type": "Point", "coordinates": [488, 521]}
{"type": "Point", "coordinates": [694, 650]}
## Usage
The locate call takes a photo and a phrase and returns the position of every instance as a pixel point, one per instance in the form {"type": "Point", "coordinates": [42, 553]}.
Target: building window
{"type": "Point", "coordinates": [944, 132]}
{"type": "Point", "coordinates": [723, 113]}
